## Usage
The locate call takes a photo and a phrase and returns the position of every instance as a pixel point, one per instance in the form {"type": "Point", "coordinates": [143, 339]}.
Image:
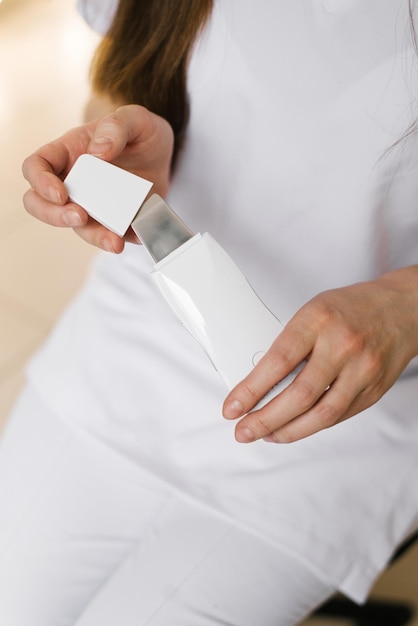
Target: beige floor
{"type": "Point", "coordinates": [44, 52]}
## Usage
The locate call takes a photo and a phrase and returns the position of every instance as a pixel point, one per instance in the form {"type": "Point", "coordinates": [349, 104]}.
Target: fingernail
{"type": "Point", "coordinates": [233, 409]}
{"type": "Point", "coordinates": [100, 145]}
{"type": "Point", "coordinates": [244, 435]}
{"type": "Point", "coordinates": [54, 195]}
{"type": "Point", "coordinates": [72, 218]}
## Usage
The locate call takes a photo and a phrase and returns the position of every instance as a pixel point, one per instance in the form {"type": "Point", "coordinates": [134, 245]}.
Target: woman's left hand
{"type": "Point", "coordinates": [356, 341]}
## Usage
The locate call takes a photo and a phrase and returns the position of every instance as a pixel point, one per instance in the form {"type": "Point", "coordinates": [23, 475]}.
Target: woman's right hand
{"type": "Point", "coordinates": [131, 137]}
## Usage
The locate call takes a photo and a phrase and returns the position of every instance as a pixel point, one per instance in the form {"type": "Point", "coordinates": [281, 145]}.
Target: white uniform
{"type": "Point", "coordinates": [294, 105]}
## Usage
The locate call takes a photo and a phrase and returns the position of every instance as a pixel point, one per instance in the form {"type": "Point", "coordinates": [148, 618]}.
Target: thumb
{"type": "Point", "coordinates": [128, 124]}
{"type": "Point", "coordinates": [105, 137]}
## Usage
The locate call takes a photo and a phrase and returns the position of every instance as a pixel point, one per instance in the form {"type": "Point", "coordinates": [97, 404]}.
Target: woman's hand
{"type": "Point", "coordinates": [357, 340]}
{"type": "Point", "coordinates": [131, 137]}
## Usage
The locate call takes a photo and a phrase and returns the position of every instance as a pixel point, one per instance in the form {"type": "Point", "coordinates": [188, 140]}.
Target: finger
{"type": "Point", "coordinates": [72, 215]}
{"type": "Point", "coordinates": [126, 125]}
{"type": "Point", "coordinates": [41, 176]}
{"type": "Point", "coordinates": [131, 236]}
{"type": "Point", "coordinates": [97, 235]}
{"type": "Point", "coordinates": [330, 410]}
{"type": "Point", "coordinates": [286, 353]}
{"type": "Point", "coordinates": [302, 394]}
{"type": "Point", "coordinates": [67, 215]}
{"type": "Point", "coordinates": [345, 398]}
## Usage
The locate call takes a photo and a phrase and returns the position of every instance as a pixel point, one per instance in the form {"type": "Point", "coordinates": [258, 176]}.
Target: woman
{"type": "Point", "coordinates": [135, 503]}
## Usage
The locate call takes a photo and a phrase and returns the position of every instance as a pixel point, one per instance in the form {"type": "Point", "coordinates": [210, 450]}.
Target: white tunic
{"type": "Point", "coordinates": [293, 107]}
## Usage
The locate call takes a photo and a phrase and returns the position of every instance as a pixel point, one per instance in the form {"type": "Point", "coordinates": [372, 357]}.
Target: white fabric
{"type": "Point", "coordinates": [98, 13]}
{"type": "Point", "coordinates": [101, 542]}
{"type": "Point", "coordinates": [294, 105]}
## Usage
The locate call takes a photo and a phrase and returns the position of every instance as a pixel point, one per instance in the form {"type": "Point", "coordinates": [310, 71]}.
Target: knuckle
{"type": "Point", "coordinates": [111, 126]}
{"type": "Point", "coordinates": [249, 393]}
{"type": "Point", "coordinates": [278, 362]}
{"type": "Point", "coordinates": [371, 365]}
{"type": "Point", "coordinates": [320, 312]}
{"type": "Point", "coordinates": [323, 315]}
{"type": "Point", "coordinates": [330, 414]}
{"type": "Point", "coordinates": [350, 342]}
{"type": "Point", "coordinates": [353, 342]}
{"type": "Point", "coordinates": [260, 425]}
{"type": "Point", "coordinates": [305, 394]}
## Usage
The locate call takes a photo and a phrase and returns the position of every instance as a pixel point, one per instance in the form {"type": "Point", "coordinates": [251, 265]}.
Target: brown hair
{"type": "Point", "coordinates": [412, 129]}
{"type": "Point", "coordinates": [143, 57]}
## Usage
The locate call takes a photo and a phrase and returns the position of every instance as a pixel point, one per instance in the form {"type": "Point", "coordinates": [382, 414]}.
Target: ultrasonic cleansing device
{"type": "Point", "coordinates": [202, 284]}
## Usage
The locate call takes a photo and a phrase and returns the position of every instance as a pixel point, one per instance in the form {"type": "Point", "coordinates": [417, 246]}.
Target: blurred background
{"type": "Point", "coordinates": [45, 49]}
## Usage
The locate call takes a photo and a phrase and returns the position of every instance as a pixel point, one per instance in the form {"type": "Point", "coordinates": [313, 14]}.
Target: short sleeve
{"type": "Point", "coordinates": [98, 13]}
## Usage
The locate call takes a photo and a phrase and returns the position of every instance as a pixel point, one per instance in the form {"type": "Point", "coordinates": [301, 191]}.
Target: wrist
{"type": "Point", "coordinates": [402, 288]}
